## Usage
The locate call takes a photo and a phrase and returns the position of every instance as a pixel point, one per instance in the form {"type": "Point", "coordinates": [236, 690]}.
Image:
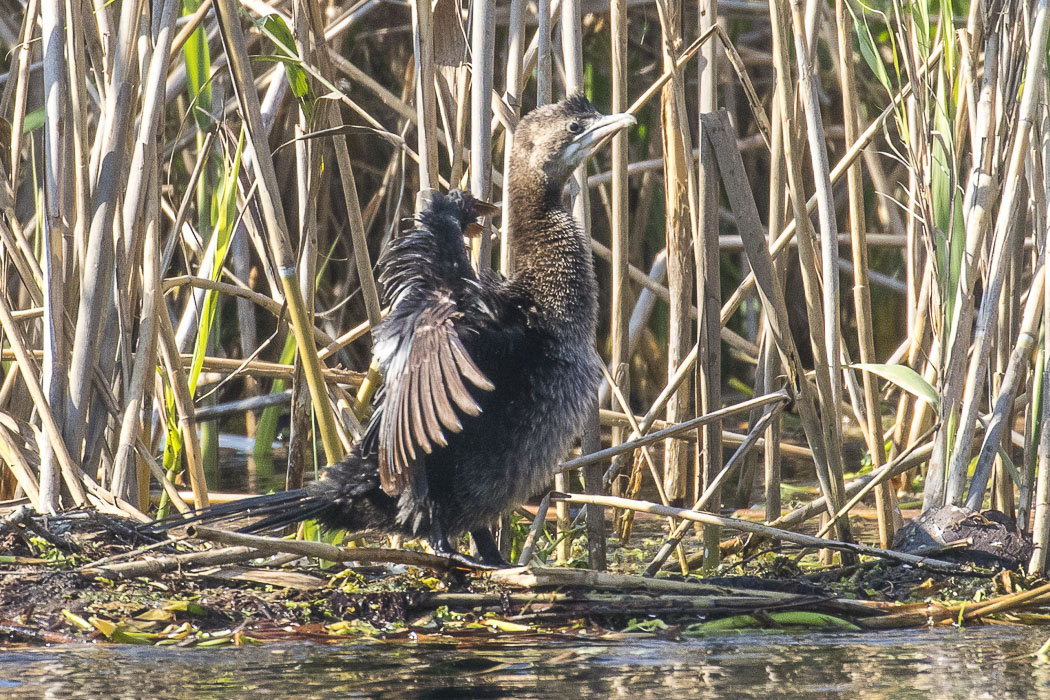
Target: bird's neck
{"type": "Point", "coordinates": [553, 262]}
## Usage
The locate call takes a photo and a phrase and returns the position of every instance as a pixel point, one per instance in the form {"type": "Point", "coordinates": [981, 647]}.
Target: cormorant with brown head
{"type": "Point", "coordinates": [487, 379]}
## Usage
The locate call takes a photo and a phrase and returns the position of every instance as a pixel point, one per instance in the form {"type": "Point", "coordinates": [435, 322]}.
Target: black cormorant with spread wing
{"type": "Point", "coordinates": [487, 379]}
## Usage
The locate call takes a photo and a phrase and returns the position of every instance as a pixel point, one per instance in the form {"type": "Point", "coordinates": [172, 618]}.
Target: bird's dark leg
{"type": "Point", "coordinates": [438, 540]}
{"type": "Point", "coordinates": [488, 550]}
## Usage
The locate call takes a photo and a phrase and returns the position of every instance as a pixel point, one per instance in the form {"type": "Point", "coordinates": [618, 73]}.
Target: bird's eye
{"type": "Point", "coordinates": [575, 127]}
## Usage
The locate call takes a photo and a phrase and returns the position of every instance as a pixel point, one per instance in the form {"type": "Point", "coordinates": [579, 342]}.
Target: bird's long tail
{"type": "Point", "coordinates": [258, 514]}
{"type": "Point", "coordinates": [348, 498]}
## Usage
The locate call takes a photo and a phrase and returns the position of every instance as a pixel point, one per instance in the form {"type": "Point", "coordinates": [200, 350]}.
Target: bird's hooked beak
{"type": "Point", "coordinates": [596, 134]}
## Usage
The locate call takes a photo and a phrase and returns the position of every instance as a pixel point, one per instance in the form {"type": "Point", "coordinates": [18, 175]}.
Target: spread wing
{"type": "Point", "coordinates": [427, 372]}
{"type": "Point", "coordinates": [439, 307]}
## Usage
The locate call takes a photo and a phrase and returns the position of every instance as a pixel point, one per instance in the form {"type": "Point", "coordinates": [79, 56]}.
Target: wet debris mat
{"type": "Point", "coordinates": [86, 576]}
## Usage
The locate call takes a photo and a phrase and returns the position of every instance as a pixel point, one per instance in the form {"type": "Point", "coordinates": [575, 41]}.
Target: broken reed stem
{"type": "Point", "coordinates": [729, 437]}
{"type": "Point", "coordinates": [322, 550]}
{"type": "Point", "coordinates": [765, 531]}
{"type": "Point", "coordinates": [273, 306]}
{"type": "Point", "coordinates": [585, 578]}
{"type": "Point", "coordinates": [966, 611]}
{"type": "Point", "coordinates": [163, 565]}
{"type": "Point", "coordinates": [528, 547]}
{"type": "Point", "coordinates": [257, 368]}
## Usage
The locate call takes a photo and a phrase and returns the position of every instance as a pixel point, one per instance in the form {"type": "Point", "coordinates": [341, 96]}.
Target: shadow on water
{"type": "Point", "coordinates": [987, 662]}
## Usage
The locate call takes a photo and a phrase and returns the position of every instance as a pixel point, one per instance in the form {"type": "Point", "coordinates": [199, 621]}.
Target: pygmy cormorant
{"type": "Point", "coordinates": [487, 379]}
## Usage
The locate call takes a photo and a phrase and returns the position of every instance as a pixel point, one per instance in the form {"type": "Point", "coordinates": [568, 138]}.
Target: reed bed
{"type": "Point", "coordinates": [826, 236]}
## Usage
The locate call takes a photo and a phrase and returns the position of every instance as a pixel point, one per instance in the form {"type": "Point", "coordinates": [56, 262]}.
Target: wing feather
{"type": "Point", "coordinates": [439, 393]}
{"type": "Point", "coordinates": [440, 312]}
{"type": "Point", "coordinates": [433, 425]}
{"type": "Point", "coordinates": [426, 393]}
{"type": "Point", "coordinates": [402, 429]}
{"type": "Point", "coordinates": [467, 367]}
{"type": "Point", "coordinates": [457, 391]}
{"type": "Point", "coordinates": [418, 431]}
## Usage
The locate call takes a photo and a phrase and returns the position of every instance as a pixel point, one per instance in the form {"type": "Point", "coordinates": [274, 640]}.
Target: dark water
{"type": "Point", "coordinates": [988, 662]}
{"type": "Point", "coordinates": [240, 470]}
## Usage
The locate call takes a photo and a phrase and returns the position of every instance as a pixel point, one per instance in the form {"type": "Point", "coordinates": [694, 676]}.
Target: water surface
{"type": "Point", "coordinates": [986, 662]}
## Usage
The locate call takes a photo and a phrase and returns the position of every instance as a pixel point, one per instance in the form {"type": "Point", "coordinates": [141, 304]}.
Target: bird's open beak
{"type": "Point", "coordinates": [600, 130]}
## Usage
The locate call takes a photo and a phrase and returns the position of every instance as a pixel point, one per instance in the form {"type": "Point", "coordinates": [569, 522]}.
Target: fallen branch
{"type": "Point", "coordinates": [559, 605]}
{"type": "Point", "coordinates": [925, 614]}
{"type": "Point", "coordinates": [759, 529]}
{"type": "Point", "coordinates": [537, 577]}
{"type": "Point", "coordinates": [322, 550]}
{"type": "Point", "coordinates": [162, 565]}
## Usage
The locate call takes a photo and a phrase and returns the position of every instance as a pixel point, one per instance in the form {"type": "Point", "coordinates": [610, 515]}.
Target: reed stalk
{"type": "Point", "coordinates": [512, 92]}
{"type": "Point", "coordinates": [426, 107]}
{"type": "Point", "coordinates": [708, 379]}
{"type": "Point", "coordinates": [619, 223]}
{"type": "Point", "coordinates": [886, 508]}
{"type": "Point", "coordinates": [482, 43]}
{"type": "Point", "coordinates": [680, 204]}
{"type": "Point", "coordinates": [770, 360]}
{"type": "Point", "coordinates": [1041, 508]}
